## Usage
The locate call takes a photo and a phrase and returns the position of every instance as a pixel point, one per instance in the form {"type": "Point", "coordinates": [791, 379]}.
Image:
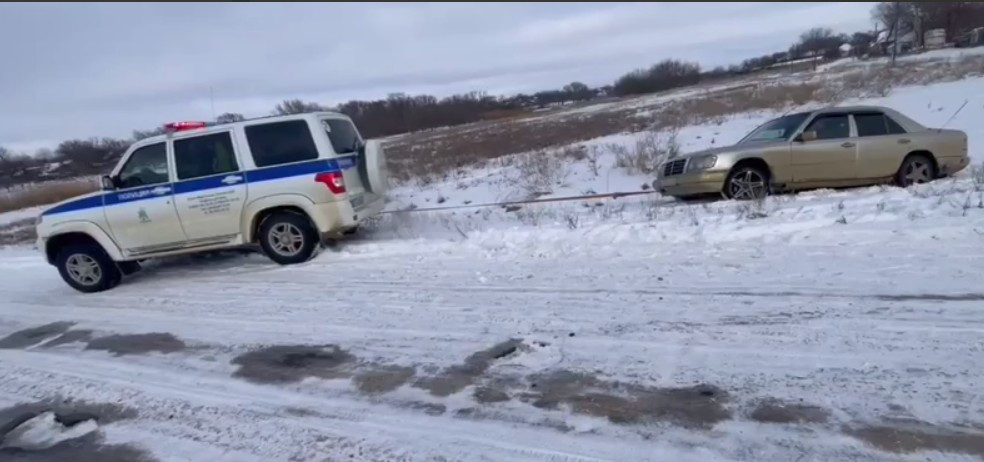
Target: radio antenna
{"type": "Point", "coordinates": [938, 130]}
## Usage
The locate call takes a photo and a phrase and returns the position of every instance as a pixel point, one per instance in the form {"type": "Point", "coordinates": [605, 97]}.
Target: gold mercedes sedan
{"type": "Point", "coordinates": [827, 148]}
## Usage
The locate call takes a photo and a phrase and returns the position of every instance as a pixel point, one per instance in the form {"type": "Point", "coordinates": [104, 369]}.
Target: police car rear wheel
{"type": "Point", "coordinates": [288, 238]}
{"type": "Point", "coordinates": [87, 268]}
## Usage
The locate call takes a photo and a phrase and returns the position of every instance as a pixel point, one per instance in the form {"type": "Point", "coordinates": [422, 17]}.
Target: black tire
{"type": "Point", "coordinates": [296, 227]}
{"type": "Point", "coordinates": [108, 276]}
{"type": "Point", "coordinates": [916, 169]}
{"type": "Point", "coordinates": [756, 179]}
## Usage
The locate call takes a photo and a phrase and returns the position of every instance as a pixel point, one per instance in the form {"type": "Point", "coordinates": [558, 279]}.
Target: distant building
{"type": "Point", "coordinates": [886, 41]}
{"type": "Point", "coordinates": [845, 50]}
{"type": "Point", "coordinates": [934, 38]}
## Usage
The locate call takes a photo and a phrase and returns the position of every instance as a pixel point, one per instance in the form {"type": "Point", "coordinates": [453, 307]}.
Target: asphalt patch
{"type": "Point", "coordinates": [89, 448]}
{"type": "Point", "coordinates": [457, 377]}
{"type": "Point", "coordinates": [72, 336]}
{"type": "Point", "coordinates": [700, 406]}
{"type": "Point", "coordinates": [429, 408]}
{"type": "Point", "coordinates": [293, 363]}
{"type": "Point", "coordinates": [912, 436]}
{"type": "Point", "coordinates": [28, 337]}
{"type": "Point", "coordinates": [779, 412]}
{"type": "Point", "coordinates": [486, 395]}
{"type": "Point", "coordinates": [383, 379]}
{"type": "Point", "coordinates": [137, 344]}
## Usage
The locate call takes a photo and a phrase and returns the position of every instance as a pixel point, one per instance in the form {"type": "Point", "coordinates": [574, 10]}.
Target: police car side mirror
{"type": "Point", "coordinates": [108, 184]}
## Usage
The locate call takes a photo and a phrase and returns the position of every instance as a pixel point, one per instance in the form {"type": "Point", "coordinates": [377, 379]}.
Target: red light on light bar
{"type": "Point", "coordinates": [181, 126]}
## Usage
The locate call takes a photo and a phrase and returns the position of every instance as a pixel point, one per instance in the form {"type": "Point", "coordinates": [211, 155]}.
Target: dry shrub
{"type": "Point", "coordinates": [593, 155]}
{"type": "Point", "coordinates": [539, 172]}
{"type": "Point", "coordinates": [18, 232]}
{"type": "Point", "coordinates": [977, 174]}
{"type": "Point", "coordinates": [37, 194]}
{"type": "Point", "coordinates": [651, 150]}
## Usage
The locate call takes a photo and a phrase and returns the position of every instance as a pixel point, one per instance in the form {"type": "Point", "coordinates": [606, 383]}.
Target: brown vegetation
{"type": "Point", "coordinates": [436, 153]}
{"type": "Point", "coordinates": [34, 195]}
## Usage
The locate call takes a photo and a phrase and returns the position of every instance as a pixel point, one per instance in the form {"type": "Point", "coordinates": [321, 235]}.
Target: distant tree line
{"type": "Point", "coordinates": [401, 113]}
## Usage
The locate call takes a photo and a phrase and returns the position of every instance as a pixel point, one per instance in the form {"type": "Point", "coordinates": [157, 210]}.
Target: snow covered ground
{"type": "Point", "coordinates": [826, 325]}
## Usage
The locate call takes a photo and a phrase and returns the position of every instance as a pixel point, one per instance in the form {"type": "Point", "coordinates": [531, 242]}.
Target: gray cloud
{"type": "Point", "coordinates": [80, 70]}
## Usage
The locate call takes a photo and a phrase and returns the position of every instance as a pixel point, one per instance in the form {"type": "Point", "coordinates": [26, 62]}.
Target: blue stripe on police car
{"type": "Point", "coordinates": [202, 184]}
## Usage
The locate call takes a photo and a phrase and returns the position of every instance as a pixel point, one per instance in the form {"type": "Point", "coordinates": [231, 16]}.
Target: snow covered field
{"type": "Point", "coordinates": [827, 325]}
{"type": "Point", "coordinates": [931, 105]}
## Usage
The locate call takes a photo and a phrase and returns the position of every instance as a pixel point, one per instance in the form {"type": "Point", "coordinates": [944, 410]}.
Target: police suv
{"type": "Point", "coordinates": [286, 183]}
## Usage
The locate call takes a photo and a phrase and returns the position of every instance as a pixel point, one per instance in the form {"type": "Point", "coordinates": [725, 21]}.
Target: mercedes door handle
{"type": "Point", "coordinates": [847, 145]}
{"type": "Point", "coordinates": [904, 141]}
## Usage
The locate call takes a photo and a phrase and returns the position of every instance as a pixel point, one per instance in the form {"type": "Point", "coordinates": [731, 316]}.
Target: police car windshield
{"type": "Point", "coordinates": [344, 138]}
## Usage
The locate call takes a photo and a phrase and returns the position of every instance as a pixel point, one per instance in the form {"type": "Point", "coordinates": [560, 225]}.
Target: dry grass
{"type": "Point", "coordinates": [36, 194]}
{"type": "Point", "coordinates": [18, 232]}
{"type": "Point", "coordinates": [440, 152]}
{"type": "Point", "coordinates": [649, 151]}
{"type": "Point", "coordinates": [539, 172]}
{"type": "Point", "coordinates": [977, 174]}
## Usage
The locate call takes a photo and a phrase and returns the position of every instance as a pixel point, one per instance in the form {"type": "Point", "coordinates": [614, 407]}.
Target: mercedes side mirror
{"type": "Point", "coordinates": [805, 136]}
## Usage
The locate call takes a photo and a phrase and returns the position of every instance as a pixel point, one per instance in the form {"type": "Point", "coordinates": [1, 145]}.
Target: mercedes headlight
{"type": "Point", "coordinates": [701, 163]}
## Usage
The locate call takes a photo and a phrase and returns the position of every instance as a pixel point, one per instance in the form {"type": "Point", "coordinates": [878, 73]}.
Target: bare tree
{"type": "Point", "coordinates": [296, 106]}
{"type": "Point", "coordinates": [664, 75]}
{"type": "Point", "coordinates": [229, 117]}
{"type": "Point", "coordinates": [141, 134]}
{"type": "Point", "coordinates": [861, 43]}
{"type": "Point", "coordinates": [817, 42]}
{"type": "Point", "coordinates": [899, 18]}
{"type": "Point", "coordinates": [45, 154]}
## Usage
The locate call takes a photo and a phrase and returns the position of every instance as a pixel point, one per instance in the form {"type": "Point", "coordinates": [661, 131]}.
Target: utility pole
{"type": "Point", "coordinates": [897, 11]}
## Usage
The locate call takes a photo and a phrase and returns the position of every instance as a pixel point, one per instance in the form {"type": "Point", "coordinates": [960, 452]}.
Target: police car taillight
{"type": "Point", "coordinates": [182, 126]}
{"type": "Point", "coordinates": [333, 180]}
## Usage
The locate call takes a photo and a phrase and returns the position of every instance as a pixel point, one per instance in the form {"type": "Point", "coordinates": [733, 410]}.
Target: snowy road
{"type": "Point", "coordinates": [839, 342]}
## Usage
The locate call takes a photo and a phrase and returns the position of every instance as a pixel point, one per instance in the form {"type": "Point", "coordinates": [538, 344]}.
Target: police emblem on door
{"type": "Point", "coordinates": [142, 215]}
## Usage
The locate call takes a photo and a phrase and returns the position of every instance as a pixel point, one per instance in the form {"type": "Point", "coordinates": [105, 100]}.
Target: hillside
{"type": "Point", "coordinates": [930, 90]}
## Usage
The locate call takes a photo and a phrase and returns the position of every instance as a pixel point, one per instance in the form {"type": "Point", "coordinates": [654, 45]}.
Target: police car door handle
{"type": "Point", "coordinates": [160, 190]}
{"type": "Point", "coordinates": [232, 179]}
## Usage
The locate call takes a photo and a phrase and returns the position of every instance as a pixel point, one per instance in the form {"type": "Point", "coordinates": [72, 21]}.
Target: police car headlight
{"type": "Point", "coordinates": [701, 163]}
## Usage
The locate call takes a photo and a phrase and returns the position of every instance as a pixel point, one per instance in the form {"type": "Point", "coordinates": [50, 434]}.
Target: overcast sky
{"type": "Point", "coordinates": [83, 70]}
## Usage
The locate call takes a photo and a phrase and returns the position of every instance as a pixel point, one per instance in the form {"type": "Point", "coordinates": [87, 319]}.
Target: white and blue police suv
{"type": "Point", "coordinates": [286, 183]}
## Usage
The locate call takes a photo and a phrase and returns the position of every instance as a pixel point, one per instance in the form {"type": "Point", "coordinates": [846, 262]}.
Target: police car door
{"type": "Point", "coordinates": [211, 188]}
{"type": "Point", "coordinates": [140, 211]}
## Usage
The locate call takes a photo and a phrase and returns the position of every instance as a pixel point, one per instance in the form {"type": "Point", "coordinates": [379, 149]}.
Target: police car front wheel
{"type": "Point", "coordinates": [288, 238]}
{"type": "Point", "coordinates": [87, 268]}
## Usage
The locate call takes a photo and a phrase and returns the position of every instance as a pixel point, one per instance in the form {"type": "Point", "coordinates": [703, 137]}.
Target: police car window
{"type": "Point", "coordinates": [146, 166]}
{"type": "Point", "coordinates": [281, 143]}
{"type": "Point", "coordinates": [204, 155]}
{"type": "Point", "coordinates": [344, 138]}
